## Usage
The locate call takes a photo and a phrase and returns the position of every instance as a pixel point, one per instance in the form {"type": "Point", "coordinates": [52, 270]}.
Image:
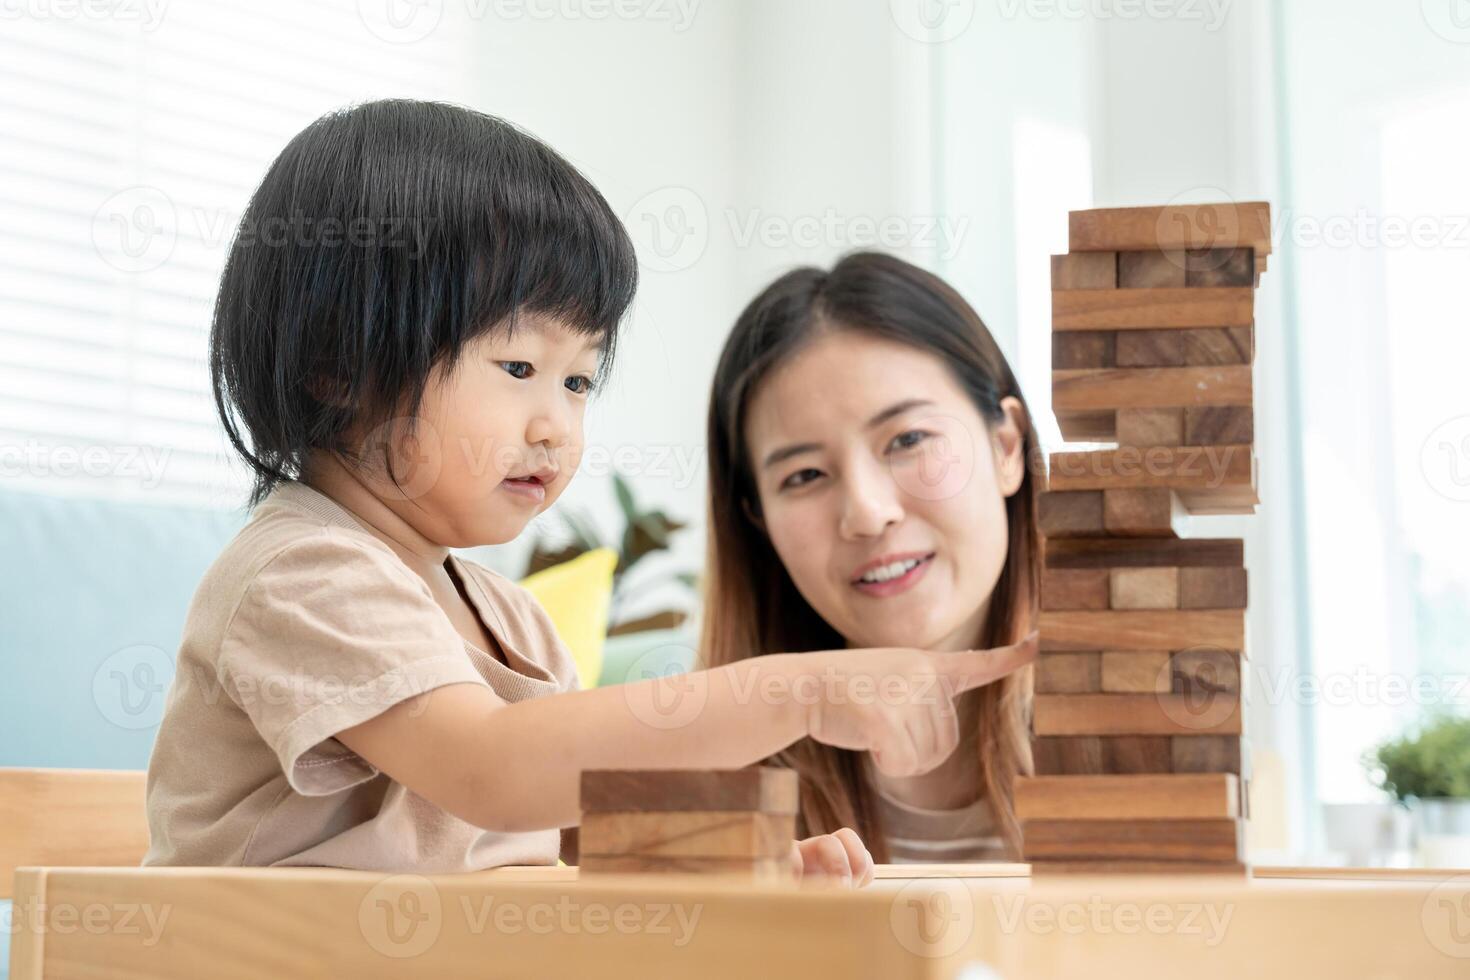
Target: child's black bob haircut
{"type": "Point", "coordinates": [382, 239]}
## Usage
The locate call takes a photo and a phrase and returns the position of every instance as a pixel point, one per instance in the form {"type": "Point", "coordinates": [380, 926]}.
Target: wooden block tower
{"type": "Point", "coordinates": [737, 822]}
{"type": "Point", "coordinates": [1140, 761]}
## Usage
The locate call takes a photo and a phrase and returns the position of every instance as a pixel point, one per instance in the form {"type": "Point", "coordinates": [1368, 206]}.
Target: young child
{"type": "Point", "coordinates": [414, 310]}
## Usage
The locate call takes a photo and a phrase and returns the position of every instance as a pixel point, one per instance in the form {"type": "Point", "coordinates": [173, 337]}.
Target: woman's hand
{"type": "Point", "coordinates": [898, 704]}
{"type": "Point", "coordinates": [839, 858]}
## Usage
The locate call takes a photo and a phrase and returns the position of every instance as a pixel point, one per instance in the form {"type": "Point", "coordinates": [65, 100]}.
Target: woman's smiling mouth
{"type": "Point", "coordinates": [893, 574]}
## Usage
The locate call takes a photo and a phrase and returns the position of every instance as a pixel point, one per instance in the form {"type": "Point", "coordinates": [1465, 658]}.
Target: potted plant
{"type": "Point", "coordinates": [1428, 770]}
{"type": "Point", "coordinates": [652, 643]}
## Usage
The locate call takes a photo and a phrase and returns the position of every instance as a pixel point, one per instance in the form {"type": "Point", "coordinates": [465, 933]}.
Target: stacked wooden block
{"type": "Point", "coordinates": [739, 822]}
{"type": "Point", "coordinates": [1140, 760]}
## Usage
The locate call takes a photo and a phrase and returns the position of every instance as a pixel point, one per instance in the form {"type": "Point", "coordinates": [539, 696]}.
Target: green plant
{"type": "Point", "coordinates": [645, 532]}
{"type": "Point", "coordinates": [1432, 762]}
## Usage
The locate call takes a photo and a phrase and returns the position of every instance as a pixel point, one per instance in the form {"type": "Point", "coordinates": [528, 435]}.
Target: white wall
{"type": "Point", "coordinates": [776, 132]}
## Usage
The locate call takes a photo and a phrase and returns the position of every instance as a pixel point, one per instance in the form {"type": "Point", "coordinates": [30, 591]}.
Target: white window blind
{"type": "Point", "coordinates": [130, 140]}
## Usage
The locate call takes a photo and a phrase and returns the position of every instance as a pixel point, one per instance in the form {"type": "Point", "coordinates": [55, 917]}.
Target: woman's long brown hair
{"type": "Point", "coordinates": [753, 608]}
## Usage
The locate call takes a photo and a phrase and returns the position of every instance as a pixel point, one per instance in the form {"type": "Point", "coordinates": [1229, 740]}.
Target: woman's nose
{"type": "Point", "coordinates": [871, 503]}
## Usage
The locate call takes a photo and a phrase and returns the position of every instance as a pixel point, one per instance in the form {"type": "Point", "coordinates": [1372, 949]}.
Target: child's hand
{"type": "Point", "coordinates": [839, 858]}
{"type": "Point", "coordinates": [899, 704]}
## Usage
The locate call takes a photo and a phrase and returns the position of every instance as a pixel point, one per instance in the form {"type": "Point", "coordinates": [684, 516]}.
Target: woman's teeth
{"type": "Point", "coordinates": [885, 573]}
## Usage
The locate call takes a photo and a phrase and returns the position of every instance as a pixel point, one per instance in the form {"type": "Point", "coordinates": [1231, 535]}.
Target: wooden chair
{"type": "Point", "coordinates": [69, 818]}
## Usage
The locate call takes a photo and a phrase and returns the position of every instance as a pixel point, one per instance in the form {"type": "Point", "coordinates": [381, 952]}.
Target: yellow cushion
{"type": "Point", "coordinates": [577, 596]}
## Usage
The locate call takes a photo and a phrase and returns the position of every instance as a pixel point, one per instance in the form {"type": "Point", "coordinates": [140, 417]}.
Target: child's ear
{"type": "Point", "coordinates": [328, 391]}
{"type": "Point", "coordinates": [1009, 442]}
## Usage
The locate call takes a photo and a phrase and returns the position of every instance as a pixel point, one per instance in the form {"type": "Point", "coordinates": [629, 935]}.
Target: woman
{"type": "Point", "coordinates": [870, 486]}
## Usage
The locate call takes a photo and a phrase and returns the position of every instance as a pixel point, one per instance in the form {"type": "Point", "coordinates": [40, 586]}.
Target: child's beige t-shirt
{"type": "Point", "coordinates": [306, 625]}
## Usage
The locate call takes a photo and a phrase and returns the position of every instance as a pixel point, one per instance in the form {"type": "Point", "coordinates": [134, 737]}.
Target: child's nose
{"type": "Point", "coordinates": [551, 425]}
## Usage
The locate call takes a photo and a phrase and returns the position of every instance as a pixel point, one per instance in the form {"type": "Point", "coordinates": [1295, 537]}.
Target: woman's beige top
{"type": "Point", "coordinates": [306, 625]}
{"type": "Point", "coordinates": [920, 836]}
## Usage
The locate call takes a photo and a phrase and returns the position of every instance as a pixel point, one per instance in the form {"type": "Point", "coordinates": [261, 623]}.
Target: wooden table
{"type": "Point", "coordinates": [916, 921]}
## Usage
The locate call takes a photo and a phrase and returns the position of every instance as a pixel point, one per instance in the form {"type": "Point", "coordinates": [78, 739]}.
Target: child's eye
{"type": "Point", "coordinates": [800, 478]}
{"type": "Point", "coordinates": [908, 440]}
{"type": "Point", "coordinates": [517, 369]}
{"type": "Point", "coordinates": [579, 384]}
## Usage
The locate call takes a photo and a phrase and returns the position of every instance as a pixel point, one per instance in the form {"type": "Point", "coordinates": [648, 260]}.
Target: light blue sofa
{"type": "Point", "coordinates": [93, 595]}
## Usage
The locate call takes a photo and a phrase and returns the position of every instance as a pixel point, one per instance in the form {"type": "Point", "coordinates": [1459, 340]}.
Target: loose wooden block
{"type": "Point", "coordinates": [1084, 270]}
{"type": "Point", "coordinates": [1135, 714]}
{"type": "Point", "coordinates": [765, 788]}
{"type": "Point", "coordinates": [1086, 390]}
{"type": "Point", "coordinates": [1087, 426]}
{"type": "Point", "coordinates": [1068, 673]}
{"type": "Point", "coordinates": [1144, 427]}
{"type": "Point", "coordinates": [1207, 753]}
{"type": "Point", "coordinates": [1150, 309]}
{"type": "Point", "coordinates": [1079, 869]}
{"type": "Point", "coordinates": [690, 833]}
{"type": "Point", "coordinates": [1148, 348]}
{"type": "Point", "coordinates": [1187, 226]}
{"type": "Point", "coordinates": [1212, 426]}
{"type": "Point", "coordinates": [1074, 588]}
{"type": "Point", "coordinates": [1084, 349]}
{"type": "Point", "coordinates": [1147, 513]}
{"type": "Point", "coordinates": [1145, 588]}
{"type": "Point", "coordinates": [1152, 270]}
{"type": "Point", "coordinates": [1220, 839]}
{"type": "Point", "coordinates": [1203, 671]}
{"type": "Point", "coordinates": [1069, 515]}
{"type": "Point", "coordinates": [1133, 672]}
{"type": "Point", "coordinates": [1239, 498]}
{"type": "Point", "coordinates": [1107, 553]}
{"type": "Point", "coordinates": [1220, 267]}
{"type": "Point", "coordinates": [1079, 755]}
{"type": "Point", "coordinates": [761, 870]}
{"type": "Point", "coordinates": [1212, 588]}
{"type": "Point", "coordinates": [1197, 472]}
{"type": "Point", "coordinates": [1188, 796]}
{"type": "Point", "coordinates": [1143, 629]}
{"type": "Point", "coordinates": [1134, 754]}
{"type": "Point", "coordinates": [1217, 345]}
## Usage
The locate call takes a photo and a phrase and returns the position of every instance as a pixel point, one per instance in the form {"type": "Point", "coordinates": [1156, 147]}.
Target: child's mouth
{"type": "Point", "coordinates": [529, 487]}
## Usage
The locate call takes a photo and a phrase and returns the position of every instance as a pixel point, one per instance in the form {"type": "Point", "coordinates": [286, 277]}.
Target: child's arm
{"type": "Point", "coordinates": [517, 767]}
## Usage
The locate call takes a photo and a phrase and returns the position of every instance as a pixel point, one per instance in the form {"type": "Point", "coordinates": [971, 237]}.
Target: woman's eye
{"type": "Point", "coordinates": [800, 478]}
{"type": "Point", "coordinates": [579, 384]}
{"type": "Point", "coordinates": [908, 440]}
{"type": "Point", "coordinates": [517, 369]}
